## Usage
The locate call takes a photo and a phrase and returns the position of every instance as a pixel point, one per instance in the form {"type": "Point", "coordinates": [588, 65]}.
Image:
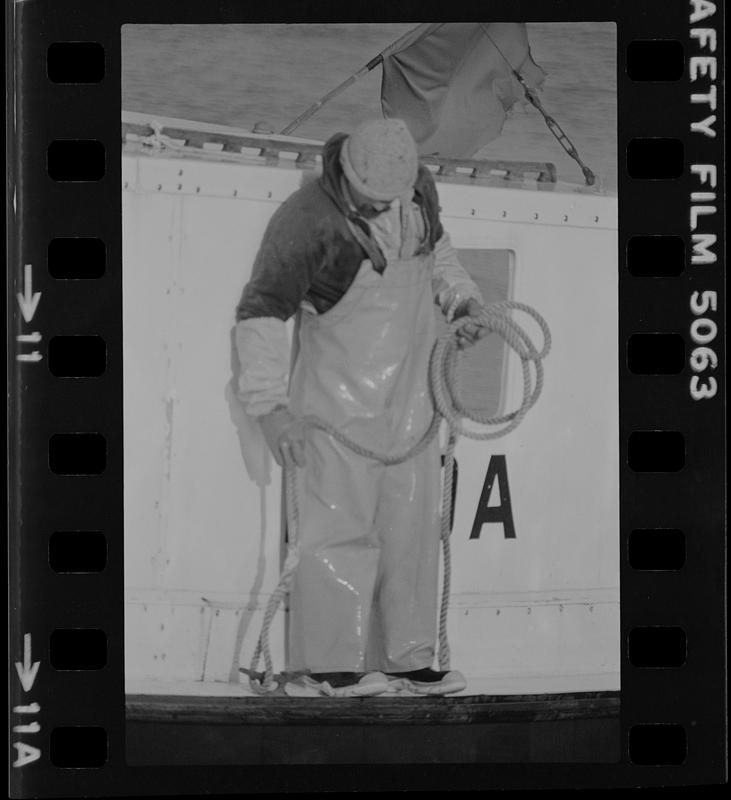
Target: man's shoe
{"type": "Point", "coordinates": [430, 681]}
{"type": "Point", "coordinates": [348, 684]}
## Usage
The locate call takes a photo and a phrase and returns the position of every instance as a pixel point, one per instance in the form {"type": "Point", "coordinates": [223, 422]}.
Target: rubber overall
{"type": "Point", "coordinates": [364, 595]}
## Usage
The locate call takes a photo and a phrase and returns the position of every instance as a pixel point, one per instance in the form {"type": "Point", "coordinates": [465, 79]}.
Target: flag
{"type": "Point", "coordinates": [452, 83]}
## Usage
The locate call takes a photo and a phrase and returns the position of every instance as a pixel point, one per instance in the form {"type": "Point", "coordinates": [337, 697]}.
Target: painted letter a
{"type": "Point", "coordinates": [501, 513]}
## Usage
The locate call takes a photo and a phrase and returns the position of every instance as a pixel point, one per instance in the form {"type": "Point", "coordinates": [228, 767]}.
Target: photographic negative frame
{"type": "Point", "coordinates": [665, 419]}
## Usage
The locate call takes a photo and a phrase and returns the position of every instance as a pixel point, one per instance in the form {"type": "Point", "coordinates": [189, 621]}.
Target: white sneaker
{"type": "Point", "coordinates": [341, 684]}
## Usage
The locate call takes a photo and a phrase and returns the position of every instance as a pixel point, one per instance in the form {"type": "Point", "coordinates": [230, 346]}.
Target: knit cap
{"type": "Point", "coordinates": [379, 159]}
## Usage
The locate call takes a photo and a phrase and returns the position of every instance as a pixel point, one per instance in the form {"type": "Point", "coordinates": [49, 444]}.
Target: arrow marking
{"type": "Point", "coordinates": [28, 301]}
{"type": "Point", "coordinates": [28, 670]}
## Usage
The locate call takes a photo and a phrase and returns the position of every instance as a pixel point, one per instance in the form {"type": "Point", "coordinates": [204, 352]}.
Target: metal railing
{"type": "Point", "coordinates": [202, 139]}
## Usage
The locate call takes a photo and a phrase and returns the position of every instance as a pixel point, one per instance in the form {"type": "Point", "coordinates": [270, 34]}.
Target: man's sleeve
{"type": "Point", "coordinates": [281, 275]}
{"type": "Point", "coordinates": [264, 355]}
{"type": "Point", "coordinates": [452, 285]}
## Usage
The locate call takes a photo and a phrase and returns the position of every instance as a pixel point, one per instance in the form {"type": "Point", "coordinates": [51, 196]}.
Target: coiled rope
{"type": "Point", "coordinates": [444, 384]}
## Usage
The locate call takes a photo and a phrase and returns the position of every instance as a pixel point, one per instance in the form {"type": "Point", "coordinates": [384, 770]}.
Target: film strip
{"type": "Point", "coordinates": [69, 732]}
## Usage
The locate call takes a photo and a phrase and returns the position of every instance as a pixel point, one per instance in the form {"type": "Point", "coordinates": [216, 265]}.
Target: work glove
{"type": "Point", "coordinates": [285, 435]}
{"type": "Point", "coordinates": [471, 333]}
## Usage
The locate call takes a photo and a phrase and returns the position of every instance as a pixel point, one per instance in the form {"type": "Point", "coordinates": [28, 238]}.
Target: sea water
{"type": "Point", "coordinates": [243, 74]}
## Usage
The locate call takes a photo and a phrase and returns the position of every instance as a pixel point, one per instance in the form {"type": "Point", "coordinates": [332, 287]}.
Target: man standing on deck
{"type": "Point", "coordinates": [361, 256]}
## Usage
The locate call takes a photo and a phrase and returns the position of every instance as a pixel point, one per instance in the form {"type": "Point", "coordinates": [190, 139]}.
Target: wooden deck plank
{"type": "Point", "coordinates": [323, 711]}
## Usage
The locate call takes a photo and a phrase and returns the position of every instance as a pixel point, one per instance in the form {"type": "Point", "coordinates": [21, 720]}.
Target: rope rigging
{"type": "Point", "coordinates": [426, 29]}
{"type": "Point", "coordinates": [448, 406]}
{"type": "Point", "coordinates": [553, 126]}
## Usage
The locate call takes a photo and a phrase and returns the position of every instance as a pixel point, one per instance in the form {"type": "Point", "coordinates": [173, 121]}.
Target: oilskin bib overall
{"type": "Point", "coordinates": [364, 595]}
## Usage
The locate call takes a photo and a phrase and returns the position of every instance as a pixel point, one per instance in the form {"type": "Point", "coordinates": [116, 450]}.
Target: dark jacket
{"type": "Point", "coordinates": [308, 250]}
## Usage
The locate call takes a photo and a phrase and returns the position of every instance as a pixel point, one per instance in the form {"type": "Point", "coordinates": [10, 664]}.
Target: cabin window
{"type": "Point", "coordinates": [484, 366]}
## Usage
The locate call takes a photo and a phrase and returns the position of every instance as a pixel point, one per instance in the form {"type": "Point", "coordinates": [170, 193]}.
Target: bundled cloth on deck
{"type": "Point", "coordinates": [452, 83]}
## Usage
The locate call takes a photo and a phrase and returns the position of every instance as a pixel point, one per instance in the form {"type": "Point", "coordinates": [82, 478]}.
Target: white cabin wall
{"type": "Point", "coordinates": [546, 603]}
{"type": "Point", "coordinates": [202, 497]}
{"type": "Point", "coordinates": [563, 458]}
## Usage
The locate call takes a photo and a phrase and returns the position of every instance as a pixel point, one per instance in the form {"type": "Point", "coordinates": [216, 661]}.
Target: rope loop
{"type": "Point", "coordinates": [444, 363]}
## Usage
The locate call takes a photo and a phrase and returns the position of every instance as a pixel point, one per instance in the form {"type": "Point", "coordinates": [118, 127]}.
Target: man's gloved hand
{"type": "Point", "coordinates": [285, 435]}
{"type": "Point", "coordinates": [471, 333]}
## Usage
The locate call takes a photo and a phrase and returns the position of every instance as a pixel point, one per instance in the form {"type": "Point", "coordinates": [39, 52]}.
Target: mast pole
{"type": "Point", "coordinates": [412, 35]}
{"type": "Point", "coordinates": [315, 107]}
